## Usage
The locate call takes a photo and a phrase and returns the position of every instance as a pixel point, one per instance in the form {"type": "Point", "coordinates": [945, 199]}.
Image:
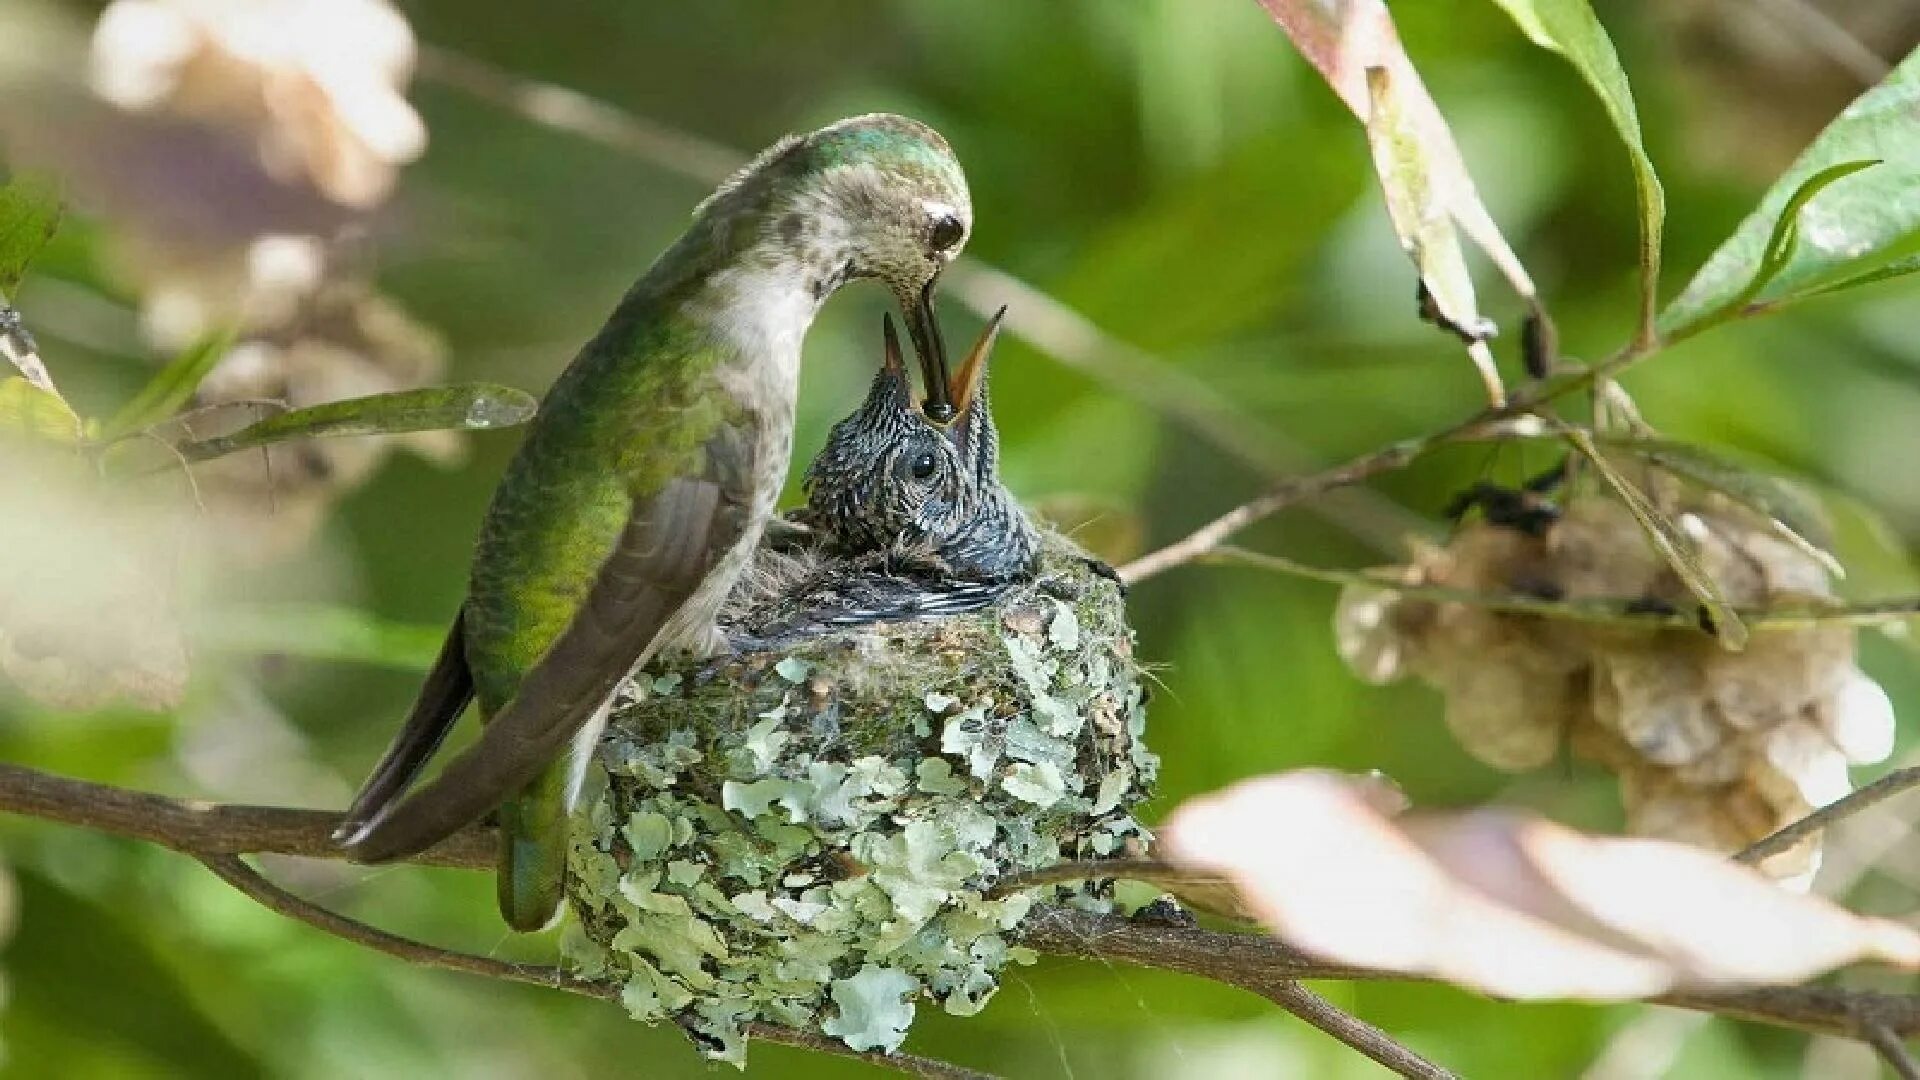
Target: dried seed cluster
{"type": "Point", "coordinates": [1713, 747]}
{"type": "Point", "coordinates": [806, 837]}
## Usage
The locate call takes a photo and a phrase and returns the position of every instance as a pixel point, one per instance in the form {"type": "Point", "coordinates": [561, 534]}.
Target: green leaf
{"type": "Point", "coordinates": [29, 216]}
{"type": "Point", "coordinates": [1668, 541]}
{"type": "Point", "coordinates": [467, 407]}
{"type": "Point", "coordinates": [170, 389]}
{"type": "Point", "coordinates": [321, 632]}
{"type": "Point", "coordinates": [1792, 512]}
{"type": "Point", "coordinates": [1569, 28]}
{"type": "Point", "coordinates": [1895, 269]}
{"type": "Point", "coordinates": [1846, 233]}
{"type": "Point", "coordinates": [1781, 244]}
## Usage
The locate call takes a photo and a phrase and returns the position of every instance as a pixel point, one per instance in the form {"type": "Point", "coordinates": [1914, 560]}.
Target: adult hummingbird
{"type": "Point", "coordinates": [907, 514]}
{"type": "Point", "coordinates": [647, 479]}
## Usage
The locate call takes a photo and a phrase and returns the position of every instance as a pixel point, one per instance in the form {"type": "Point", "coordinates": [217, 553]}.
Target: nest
{"type": "Point", "coordinates": [806, 836]}
{"type": "Point", "coordinates": [1712, 747]}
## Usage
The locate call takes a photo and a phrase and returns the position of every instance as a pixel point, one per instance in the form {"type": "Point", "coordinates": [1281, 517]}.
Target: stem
{"type": "Point", "coordinates": [1884, 788]}
{"type": "Point", "coordinates": [1891, 1050]}
{"type": "Point", "coordinates": [1355, 1032]}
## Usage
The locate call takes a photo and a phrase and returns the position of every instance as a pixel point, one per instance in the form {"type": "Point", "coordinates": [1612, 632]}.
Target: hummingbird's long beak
{"type": "Point", "coordinates": [893, 368]}
{"type": "Point", "coordinates": [924, 329]}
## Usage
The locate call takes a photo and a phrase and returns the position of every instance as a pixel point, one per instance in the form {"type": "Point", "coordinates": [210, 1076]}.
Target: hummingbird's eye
{"type": "Point", "coordinates": [923, 465]}
{"type": "Point", "coordinates": [944, 232]}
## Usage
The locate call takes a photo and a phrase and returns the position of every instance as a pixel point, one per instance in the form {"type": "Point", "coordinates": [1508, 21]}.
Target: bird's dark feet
{"type": "Point", "coordinates": [1166, 911]}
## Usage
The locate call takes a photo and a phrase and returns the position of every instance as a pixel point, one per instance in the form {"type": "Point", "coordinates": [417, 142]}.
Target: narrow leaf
{"type": "Point", "coordinates": [1792, 512]}
{"type": "Point", "coordinates": [29, 216]}
{"type": "Point", "coordinates": [467, 407]}
{"type": "Point", "coordinates": [1896, 269]}
{"type": "Point", "coordinates": [1782, 243]}
{"type": "Point", "coordinates": [1667, 539]}
{"type": "Point", "coordinates": [170, 388]}
{"type": "Point", "coordinates": [1355, 48]}
{"type": "Point", "coordinates": [1569, 28]}
{"type": "Point", "coordinates": [1845, 233]}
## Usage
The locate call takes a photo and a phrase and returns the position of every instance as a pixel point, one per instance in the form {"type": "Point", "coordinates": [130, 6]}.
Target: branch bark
{"type": "Point", "coordinates": [200, 828]}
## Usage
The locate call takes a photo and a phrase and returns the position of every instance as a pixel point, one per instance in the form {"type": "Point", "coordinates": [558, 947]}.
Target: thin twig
{"type": "Point", "coordinates": [1285, 494]}
{"type": "Point", "coordinates": [564, 109]}
{"type": "Point", "coordinates": [1355, 1032]}
{"type": "Point", "coordinates": [1040, 320]}
{"type": "Point", "coordinates": [235, 872]}
{"type": "Point", "coordinates": [1886, 787]}
{"type": "Point", "coordinates": [1891, 1050]}
{"type": "Point", "coordinates": [1615, 610]}
{"type": "Point", "coordinates": [1054, 329]}
{"type": "Point", "coordinates": [1505, 422]}
{"type": "Point", "coordinates": [1807, 24]}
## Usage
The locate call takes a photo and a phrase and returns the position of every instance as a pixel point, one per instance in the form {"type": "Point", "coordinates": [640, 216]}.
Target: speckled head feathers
{"type": "Point", "coordinates": [877, 196]}
{"type": "Point", "coordinates": [890, 478]}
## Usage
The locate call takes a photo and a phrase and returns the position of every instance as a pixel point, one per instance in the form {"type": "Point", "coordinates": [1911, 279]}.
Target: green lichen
{"type": "Point", "coordinates": [806, 837]}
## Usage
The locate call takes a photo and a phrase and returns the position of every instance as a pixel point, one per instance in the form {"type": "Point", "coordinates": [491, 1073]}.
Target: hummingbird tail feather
{"type": "Point", "coordinates": [443, 697]}
{"type": "Point", "coordinates": [534, 836]}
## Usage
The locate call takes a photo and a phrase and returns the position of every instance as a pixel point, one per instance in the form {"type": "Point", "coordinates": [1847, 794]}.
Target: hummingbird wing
{"type": "Point", "coordinates": [672, 542]}
{"type": "Point", "coordinates": [443, 697]}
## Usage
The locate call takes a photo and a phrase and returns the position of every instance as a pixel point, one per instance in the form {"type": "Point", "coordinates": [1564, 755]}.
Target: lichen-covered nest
{"type": "Point", "coordinates": [806, 836]}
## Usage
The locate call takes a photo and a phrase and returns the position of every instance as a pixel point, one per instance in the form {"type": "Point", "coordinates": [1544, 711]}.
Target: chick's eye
{"type": "Point", "coordinates": [944, 232]}
{"type": "Point", "coordinates": [922, 466]}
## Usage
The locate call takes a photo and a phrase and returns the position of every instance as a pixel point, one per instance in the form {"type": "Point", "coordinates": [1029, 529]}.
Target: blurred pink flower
{"type": "Point", "coordinates": [317, 84]}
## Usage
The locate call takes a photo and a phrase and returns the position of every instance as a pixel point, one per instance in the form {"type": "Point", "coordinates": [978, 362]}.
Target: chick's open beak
{"type": "Point", "coordinates": [924, 329]}
{"type": "Point", "coordinates": [893, 368]}
{"type": "Point", "coordinates": [964, 385]}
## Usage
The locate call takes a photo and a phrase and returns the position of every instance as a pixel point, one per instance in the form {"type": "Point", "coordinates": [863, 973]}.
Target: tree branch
{"type": "Point", "coordinates": [199, 828]}
{"type": "Point", "coordinates": [1256, 963]}
{"type": "Point", "coordinates": [216, 835]}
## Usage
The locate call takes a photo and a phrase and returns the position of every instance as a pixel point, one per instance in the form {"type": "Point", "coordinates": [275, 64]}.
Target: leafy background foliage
{"type": "Point", "coordinates": [1173, 170]}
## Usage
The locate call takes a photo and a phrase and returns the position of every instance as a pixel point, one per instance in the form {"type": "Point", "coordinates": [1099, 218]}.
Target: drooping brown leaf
{"type": "Point", "coordinates": [1430, 194]}
{"type": "Point", "coordinates": [1508, 903]}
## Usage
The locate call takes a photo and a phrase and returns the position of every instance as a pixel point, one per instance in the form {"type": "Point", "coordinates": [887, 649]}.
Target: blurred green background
{"type": "Point", "coordinates": [1173, 171]}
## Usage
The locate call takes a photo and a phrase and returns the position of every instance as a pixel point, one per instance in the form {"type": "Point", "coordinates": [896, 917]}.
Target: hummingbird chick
{"type": "Point", "coordinates": [907, 512]}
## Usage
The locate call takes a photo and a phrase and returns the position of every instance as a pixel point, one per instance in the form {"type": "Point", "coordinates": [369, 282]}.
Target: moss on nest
{"type": "Point", "coordinates": [805, 836]}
